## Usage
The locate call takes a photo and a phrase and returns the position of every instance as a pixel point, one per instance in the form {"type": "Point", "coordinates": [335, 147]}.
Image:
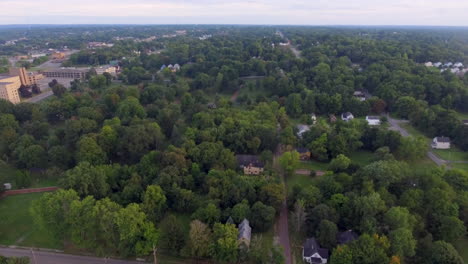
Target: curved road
{"type": "Point", "coordinates": [45, 257]}
{"type": "Point", "coordinates": [395, 126]}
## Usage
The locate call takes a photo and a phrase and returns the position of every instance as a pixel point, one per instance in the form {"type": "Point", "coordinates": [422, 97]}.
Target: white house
{"type": "Point", "coordinates": [359, 95]}
{"type": "Point", "coordinates": [441, 143]}
{"type": "Point", "coordinates": [458, 65]}
{"type": "Point", "coordinates": [373, 120]}
{"type": "Point", "coordinates": [448, 64]}
{"type": "Point", "coordinates": [313, 254]}
{"type": "Point", "coordinates": [437, 64]}
{"type": "Point", "coordinates": [313, 117]}
{"type": "Point", "coordinates": [428, 64]}
{"type": "Point", "coordinates": [347, 116]}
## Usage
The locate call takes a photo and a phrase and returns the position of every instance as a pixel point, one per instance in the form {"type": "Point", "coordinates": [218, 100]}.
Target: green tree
{"type": "Point", "coordinates": [444, 253]}
{"type": "Point", "coordinates": [209, 214]}
{"type": "Point", "coordinates": [241, 211]}
{"type": "Point", "coordinates": [154, 203]}
{"type": "Point", "coordinates": [289, 161]}
{"type": "Point", "coordinates": [402, 242]}
{"type": "Point", "coordinates": [340, 163]}
{"type": "Point", "coordinates": [172, 235]}
{"type": "Point", "coordinates": [98, 82]}
{"type": "Point", "coordinates": [318, 148]}
{"type": "Point", "coordinates": [89, 151]}
{"type": "Point", "coordinates": [263, 216]}
{"type": "Point", "coordinates": [326, 234]}
{"type": "Point", "coordinates": [224, 249]}
{"type": "Point", "coordinates": [87, 180]}
{"type": "Point", "coordinates": [199, 239]}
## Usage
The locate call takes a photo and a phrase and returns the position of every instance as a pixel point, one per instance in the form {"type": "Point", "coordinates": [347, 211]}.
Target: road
{"type": "Point", "coordinates": [40, 97]}
{"type": "Point", "coordinates": [395, 126]}
{"type": "Point", "coordinates": [43, 257]}
{"type": "Point", "coordinates": [282, 225]}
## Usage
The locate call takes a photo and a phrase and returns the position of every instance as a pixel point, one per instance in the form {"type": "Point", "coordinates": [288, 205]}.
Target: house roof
{"type": "Point", "coordinates": [346, 115]}
{"type": "Point", "coordinates": [249, 160]}
{"type": "Point", "coordinates": [245, 231]}
{"type": "Point", "coordinates": [465, 121]}
{"type": "Point", "coordinates": [230, 221]}
{"type": "Point", "coordinates": [311, 247]}
{"type": "Point", "coordinates": [346, 237]}
{"type": "Point", "coordinates": [373, 118]}
{"type": "Point", "coordinates": [302, 150]}
{"type": "Point", "coordinates": [443, 139]}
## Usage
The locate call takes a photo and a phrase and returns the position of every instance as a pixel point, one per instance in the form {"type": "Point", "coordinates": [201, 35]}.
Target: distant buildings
{"type": "Point", "coordinates": [456, 68]}
{"type": "Point", "coordinates": [26, 78]}
{"type": "Point", "coordinates": [373, 120]}
{"type": "Point", "coordinates": [441, 143]}
{"type": "Point", "coordinates": [57, 56]}
{"type": "Point", "coordinates": [250, 164]}
{"type": "Point", "coordinates": [95, 45]}
{"type": "Point", "coordinates": [109, 69]}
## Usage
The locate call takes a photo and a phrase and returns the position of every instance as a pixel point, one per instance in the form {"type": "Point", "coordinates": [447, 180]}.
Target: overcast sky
{"type": "Point", "coordinates": [301, 12]}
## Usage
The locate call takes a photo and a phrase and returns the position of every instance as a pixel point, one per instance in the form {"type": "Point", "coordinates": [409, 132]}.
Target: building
{"type": "Point", "coordinates": [313, 254]}
{"type": "Point", "coordinates": [458, 65]}
{"type": "Point", "coordinates": [301, 129]}
{"type": "Point", "coordinates": [109, 69]}
{"type": "Point", "coordinates": [373, 120]}
{"type": "Point", "coordinates": [9, 86]}
{"type": "Point", "coordinates": [313, 117]}
{"type": "Point", "coordinates": [348, 116]}
{"type": "Point", "coordinates": [304, 153]}
{"type": "Point", "coordinates": [465, 122]}
{"type": "Point", "coordinates": [26, 78]}
{"type": "Point", "coordinates": [361, 96]}
{"type": "Point", "coordinates": [250, 164]}
{"type": "Point", "coordinates": [58, 56]}
{"type": "Point", "coordinates": [245, 233]}
{"type": "Point", "coordinates": [441, 143]}
{"type": "Point", "coordinates": [346, 237]}
{"type": "Point", "coordinates": [428, 64]}
{"type": "Point", "coordinates": [68, 73]}
{"type": "Point", "coordinates": [437, 64]}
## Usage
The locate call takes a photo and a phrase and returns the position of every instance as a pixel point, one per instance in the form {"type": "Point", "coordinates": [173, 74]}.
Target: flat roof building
{"type": "Point", "coordinates": [9, 86]}
{"type": "Point", "coordinates": [70, 73]}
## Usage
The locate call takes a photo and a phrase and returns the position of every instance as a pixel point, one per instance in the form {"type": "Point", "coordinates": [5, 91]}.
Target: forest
{"type": "Point", "coordinates": [148, 162]}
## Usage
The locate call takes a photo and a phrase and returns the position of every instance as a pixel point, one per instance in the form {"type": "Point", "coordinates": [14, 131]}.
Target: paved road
{"type": "Point", "coordinates": [43, 257]}
{"type": "Point", "coordinates": [395, 126]}
{"type": "Point", "coordinates": [40, 97]}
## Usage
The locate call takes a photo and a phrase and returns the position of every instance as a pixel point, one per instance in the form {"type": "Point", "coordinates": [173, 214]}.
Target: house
{"type": "Point", "coordinates": [458, 65]}
{"type": "Point", "coordinates": [250, 164]}
{"type": "Point", "coordinates": [448, 64]}
{"type": "Point", "coordinates": [230, 221]}
{"type": "Point", "coordinates": [163, 67]}
{"type": "Point", "coordinates": [465, 122]}
{"type": "Point", "coordinates": [7, 186]}
{"type": "Point", "coordinates": [428, 64]}
{"type": "Point", "coordinates": [373, 120]}
{"type": "Point", "coordinates": [313, 117]}
{"type": "Point", "coordinates": [304, 153]}
{"type": "Point", "coordinates": [176, 67]}
{"type": "Point", "coordinates": [437, 64]}
{"type": "Point", "coordinates": [346, 237]}
{"type": "Point", "coordinates": [441, 143]}
{"type": "Point", "coordinates": [347, 116]}
{"type": "Point", "coordinates": [245, 233]}
{"type": "Point", "coordinates": [301, 129]}
{"type": "Point", "coordinates": [360, 95]}
{"type": "Point", "coordinates": [313, 254]}
{"type": "Point", "coordinates": [212, 105]}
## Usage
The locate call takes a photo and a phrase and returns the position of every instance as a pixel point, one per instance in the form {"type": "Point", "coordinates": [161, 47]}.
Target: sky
{"type": "Point", "coordinates": [276, 12]}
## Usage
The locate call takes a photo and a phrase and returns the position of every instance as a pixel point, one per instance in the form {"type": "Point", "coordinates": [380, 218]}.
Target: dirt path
{"type": "Point", "coordinates": [235, 95]}
{"type": "Point", "coordinates": [282, 225]}
{"type": "Point", "coordinates": [23, 191]}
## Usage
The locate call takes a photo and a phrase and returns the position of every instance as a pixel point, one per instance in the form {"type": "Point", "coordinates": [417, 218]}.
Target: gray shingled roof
{"type": "Point", "coordinates": [247, 160]}
{"type": "Point", "coordinates": [443, 139]}
{"type": "Point", "coordinates": [245, 231]}
{"type": "Point", "coordinates": [311, 247]}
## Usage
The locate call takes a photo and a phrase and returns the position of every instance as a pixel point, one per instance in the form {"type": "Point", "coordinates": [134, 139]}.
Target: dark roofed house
{"type": "Point", "coordinates": [304, 153]}
{"type": "Point", "coordinates": [441, 143]}
{"type": "Point", "coordinates": [251, 164]}
{"type": "Point", "coordinates": [312, 253]}
{"type": "Point", "coordinates": [245, 233]}
{"type": "Point", "coordinates": [346, 237]}
{"type": "Point", "coordinates": [347, 116]}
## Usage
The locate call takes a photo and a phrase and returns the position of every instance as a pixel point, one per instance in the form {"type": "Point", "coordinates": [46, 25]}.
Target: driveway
{"type": "Point", "coordinates": [46, 257]}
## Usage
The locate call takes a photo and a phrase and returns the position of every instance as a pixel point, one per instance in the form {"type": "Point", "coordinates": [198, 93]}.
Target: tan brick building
{"type": "Point", "coordinates": [9, 86]}
{"type": "Point", "coordinates": [26, 78]}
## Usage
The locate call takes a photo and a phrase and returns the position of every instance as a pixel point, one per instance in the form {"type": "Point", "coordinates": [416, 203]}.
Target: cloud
{"type": "Point", "coordinates": [342, 12]}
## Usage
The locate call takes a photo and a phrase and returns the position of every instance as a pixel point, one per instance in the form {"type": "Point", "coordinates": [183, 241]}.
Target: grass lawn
{"type": "Point", "coordinates": [462, 116]}
{"type": "Point", "coordinates": [453, 154]}
{"type": "Point", "coordinates": [312, 165]}
{"type": "Point", "coordinates": [16, 224]}
{"type": "Point", "coordinates": [362, 157]}
{"type": "Point", "coordinates": [461, 166]}
{"type": "Point", "coordinates": [414, 132]}
{"type": "Point", "coordinates": [462, 246]}
{"type": "Point", "coordinates": [7, 174]}
{"type": "Point", "coordinates": [300, 180]}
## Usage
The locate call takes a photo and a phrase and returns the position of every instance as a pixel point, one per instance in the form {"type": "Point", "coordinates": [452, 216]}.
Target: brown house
{"type": "Point", "coordinates": [304, 153]}
{"type": "Point", "coordinates": [250, 164]}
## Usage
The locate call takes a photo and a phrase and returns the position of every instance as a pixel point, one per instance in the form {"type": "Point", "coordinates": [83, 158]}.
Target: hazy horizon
{"type": "Point", "coordinates": [237, 12]}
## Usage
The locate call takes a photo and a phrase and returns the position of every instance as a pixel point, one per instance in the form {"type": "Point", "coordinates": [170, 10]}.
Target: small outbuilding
{"type": "Point", "coordinates": [348, 116]}
{"type": "Point", "coordinates": [373, 120]}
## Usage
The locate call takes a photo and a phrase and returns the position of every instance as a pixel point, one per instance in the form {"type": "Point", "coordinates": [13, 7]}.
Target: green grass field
{"type": "Point", "coordinates": [453, 154]}
{"type": "Point", "coordinates": [16, 224]}
{"type": "Point", "coordinates": [300, 180]}
{"type": "Point", "coordinates": [312, 165]}
{"type": "Point", "coordinates": [8, 173]}
{"type": "Point", "coordinates": [362, 157]}
{"type": "Point", "coordinates": [462, 247]}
